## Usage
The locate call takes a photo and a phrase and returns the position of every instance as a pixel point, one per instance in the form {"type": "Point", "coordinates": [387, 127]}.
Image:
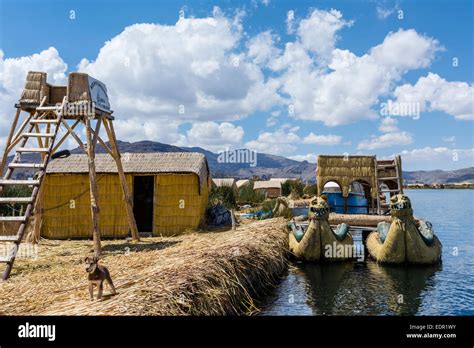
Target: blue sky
{"type": "Point", "coordinates": [254, 74]}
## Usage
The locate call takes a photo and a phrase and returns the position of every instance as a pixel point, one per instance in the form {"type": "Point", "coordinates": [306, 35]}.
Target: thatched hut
{"type": "Point", "coordinates": [242, 183]}
{"type": "Point", "coordinates": [170, 194]}
{"type": "Point", "coordinates": [271, 189]}
{"type": "Point", "coordinates": [230, 182]}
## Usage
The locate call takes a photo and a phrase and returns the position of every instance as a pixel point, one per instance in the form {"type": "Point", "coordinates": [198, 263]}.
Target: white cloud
{"type": "Point", "coordinates": [324, 140]}
{"type": "Point", "coordinates": [386, 140]}
{"type": "Point", "coordinates": [272, 119]}
{"type": "Point", "coordinates": [317, 32]}
{"type": "Point", "coordinates": [438, 157]}
{"type": "Point", "coordinates": [278, 143]}
{"type": "Point", "coordinates": [352, 86]}
{"type": "Point", "coordinates": [436, 94]}
{"type": "Point", "coordinates": [450, 139]}
{"type": "Point", "coordinates": [214, 136]}
{"type": "Point", "coordinates": [388, 125]}
{"type": "Point", "coordinates": [286, 139]}
{"type": "Point", "coordinates": [290, 18]}
{"type": "Point", "coordinates": [405, 50]}
{"type": "Point", "coordinates": [137, 129]}
{"type": "Point", "coordinates": [261, 48]}
{"type": "Point", "coordinates": [310, 157]}
{"type": "Point", "coordinates": [13, 73]}
{"type": "Point", "coordinates": [153, 70]}
{"type": "Point", "coordinates": [383, 13]}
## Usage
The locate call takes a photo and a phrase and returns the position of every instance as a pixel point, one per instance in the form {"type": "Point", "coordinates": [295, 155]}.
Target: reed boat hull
{"type": "Point", "coordinates": [404, 242]}
{"type": "Point", "coordinates": [319, 243]}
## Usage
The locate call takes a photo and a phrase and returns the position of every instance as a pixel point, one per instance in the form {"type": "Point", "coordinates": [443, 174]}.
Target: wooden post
{"type": "Point", "coordinates": [232, 216]}
{"type": "Point", "coordinates": [398, 163]}
{"type": "Point", "coordinates": [109, 127]}
{"type": "Point", "coordinates": [34, 234]}
{"type": "Point", "coordinates": [93, 189]}
{"type": "Point", "coordinates": [9, 139]}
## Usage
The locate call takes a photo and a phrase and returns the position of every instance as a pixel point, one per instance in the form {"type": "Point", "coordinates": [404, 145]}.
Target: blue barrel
{"type": "Point", "coordinates": [356, 203]}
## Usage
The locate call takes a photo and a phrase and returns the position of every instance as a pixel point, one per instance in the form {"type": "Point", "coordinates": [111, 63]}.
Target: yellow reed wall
{"type": "Point", "coordinates": [62, 222]}
{"type": "Point", "coordinates": [170, 191]}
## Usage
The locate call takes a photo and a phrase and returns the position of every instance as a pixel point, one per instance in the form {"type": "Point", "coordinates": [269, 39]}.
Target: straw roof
{"type": "Point", "coordinates": [136, 163]}
{"type": "Point", "coordinates": [283, 180]}
{"type": "Point", "coordinates": [344, 170]}
{"type": "Point", "coordinates": [266, 185]}
{"type": "Point", "coordinates": [243, 182]}
{"type": "Point", "coordinates": [223, 182]}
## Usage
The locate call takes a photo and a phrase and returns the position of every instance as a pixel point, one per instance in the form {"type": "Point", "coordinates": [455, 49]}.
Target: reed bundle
{"type": "Point", "coordinates": [205, 273]}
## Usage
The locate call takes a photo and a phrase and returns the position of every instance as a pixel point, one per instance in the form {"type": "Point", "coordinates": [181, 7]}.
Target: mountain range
{"type": "Point", "coordinates": [268, 166]}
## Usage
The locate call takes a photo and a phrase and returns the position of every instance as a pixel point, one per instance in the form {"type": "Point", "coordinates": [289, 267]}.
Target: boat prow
{"type": "Point", "coordinates": [404, 240]}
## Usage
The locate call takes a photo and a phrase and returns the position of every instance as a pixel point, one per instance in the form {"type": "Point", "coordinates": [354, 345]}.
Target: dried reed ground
{"type": "Point", "coordinates": [211, 273]}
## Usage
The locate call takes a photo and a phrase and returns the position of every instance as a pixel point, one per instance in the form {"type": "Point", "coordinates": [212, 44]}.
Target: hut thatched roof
{"type": "Point", "coordinates": [136, 163]}
{"type": "Point", "coordinates": [243, 182]}
{"type": "Point", "coordinates": [283, 180]}
{"type": "Point", "coordinates": [223, 182]}
{"type": "Point", "coordinates": [266, 185]}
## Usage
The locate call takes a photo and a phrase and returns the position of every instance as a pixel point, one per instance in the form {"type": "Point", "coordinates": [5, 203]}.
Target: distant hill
{"type": "Point", "coordinates": [270, 165]}
{"type": "Point", "coordinates": [440, 176]}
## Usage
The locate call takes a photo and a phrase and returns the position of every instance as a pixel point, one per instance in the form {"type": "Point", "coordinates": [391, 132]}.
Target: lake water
{"type": "Point", "coordinates": [365, 288]}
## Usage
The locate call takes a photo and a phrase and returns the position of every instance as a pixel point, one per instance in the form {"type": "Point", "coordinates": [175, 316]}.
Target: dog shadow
{"type": "Point", "coordinates": [106, 297]}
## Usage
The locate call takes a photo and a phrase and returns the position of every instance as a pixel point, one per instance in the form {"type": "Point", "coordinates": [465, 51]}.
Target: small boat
{"type": "Point", "coordinates": [357, 202]}
{"type": "Point", "coordinates": [404, 240]}
{"type": "Point", "coordinates": [319, 241]}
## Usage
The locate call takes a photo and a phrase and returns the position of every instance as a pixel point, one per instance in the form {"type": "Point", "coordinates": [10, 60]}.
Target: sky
{"type": "Point", "coordinates": [290, 78]}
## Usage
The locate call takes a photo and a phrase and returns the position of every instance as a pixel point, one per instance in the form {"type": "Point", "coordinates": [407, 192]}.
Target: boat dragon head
{"type": "Point", "coordinates": [318, 208]}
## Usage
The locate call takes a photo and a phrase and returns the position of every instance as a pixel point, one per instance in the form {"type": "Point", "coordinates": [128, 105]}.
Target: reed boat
{"type": "Point", "coordinates": [405, 239]}
{"type": "Point", "coordinates": [319, 241]}
{"type": "Point", "coordinates": [353, 195]}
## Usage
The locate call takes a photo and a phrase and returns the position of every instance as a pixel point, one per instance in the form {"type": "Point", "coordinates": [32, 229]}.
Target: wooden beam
{"type": "Point", "coordinates": [18, 135]}
{"type": "Point", "coordinates": [47, 140]}
{"type": "Point", "coordinates": [96, 131]}
{"type": "Point", "coordinates": [94, 192]}
{"type": "Point", "coordinates": [74, 135]}
{"type": "Point", "coordinates": [63, 139]}
{"type": "Point", "coordinates": [102, 142]}
{"type": "Point", "coordinates": [9, 139]}
{"type": "Point", "coordinates": [108, 125]}
{"type": "Point", "coordinates": [34, 235]}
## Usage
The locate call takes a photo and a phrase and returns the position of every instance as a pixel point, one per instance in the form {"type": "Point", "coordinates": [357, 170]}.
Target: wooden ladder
{"type": "Point", "coordinates": [43, 127]}
{"type": "Point", "coordinates": [380, 167]}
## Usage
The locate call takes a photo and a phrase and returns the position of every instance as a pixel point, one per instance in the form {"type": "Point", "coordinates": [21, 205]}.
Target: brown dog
{"type": "Point", "coordinates": [97, 275]}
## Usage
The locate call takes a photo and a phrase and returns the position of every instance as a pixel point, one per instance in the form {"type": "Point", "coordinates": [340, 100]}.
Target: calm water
{"type": "Point", "coordinates": [366, 288]}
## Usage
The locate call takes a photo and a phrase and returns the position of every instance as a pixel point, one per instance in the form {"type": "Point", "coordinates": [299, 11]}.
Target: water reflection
{"type": "Point", "coordinates": [355, 289]}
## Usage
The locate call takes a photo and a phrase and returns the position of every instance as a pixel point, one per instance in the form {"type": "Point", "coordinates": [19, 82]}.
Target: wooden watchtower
{"type": "Point", "coordinates": [41, 111]}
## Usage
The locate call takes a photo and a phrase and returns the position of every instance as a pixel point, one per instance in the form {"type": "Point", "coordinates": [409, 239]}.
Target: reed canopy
{"type": "Point", "coordinates": [346, 169]}
{"type": "Point", "coordinates": [169, 190]}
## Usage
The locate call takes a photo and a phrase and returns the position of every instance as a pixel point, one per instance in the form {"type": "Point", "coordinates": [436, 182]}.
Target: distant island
{"type": "Point", "coordinates": [459, 185]}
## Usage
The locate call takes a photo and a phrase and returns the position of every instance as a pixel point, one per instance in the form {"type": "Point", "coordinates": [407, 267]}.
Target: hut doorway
{"type": "Point", "coordinates": [143, 193]}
